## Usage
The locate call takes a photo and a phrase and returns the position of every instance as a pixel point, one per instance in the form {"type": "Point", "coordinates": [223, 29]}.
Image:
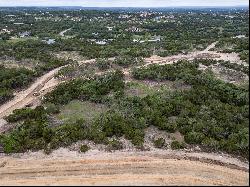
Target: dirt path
{"type": "Point", "coordinates": [232, 57]}
{"type": "Point", "coordinates": [118, 168]}
{"type": "Point", "coordinates": [211, 46]}
{"type": "Point", "coordinates": [25, 97]}
{"type": "Point", "coordinates": [63, 32]}
{"type": "Point", "coordinates": [42, 85]}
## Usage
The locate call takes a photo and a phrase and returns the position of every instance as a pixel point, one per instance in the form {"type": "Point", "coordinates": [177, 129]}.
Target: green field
{"type": "Point", "coordinates": [80, 110]}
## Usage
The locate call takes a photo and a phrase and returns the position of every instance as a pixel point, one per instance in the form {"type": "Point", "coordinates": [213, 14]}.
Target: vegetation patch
{"type": "Point", "coordinates": [11, 79]}
{"type": "Point", "coordinates": [114, 144]}
{"type": "Point", "coordinates": [76, 110]}
{"type": "Point", "coordinates": [84, 148]}
{"type": "Point", "coordinates": [159, 143]}
{"type": "Point", "coordinates": [177, 145]}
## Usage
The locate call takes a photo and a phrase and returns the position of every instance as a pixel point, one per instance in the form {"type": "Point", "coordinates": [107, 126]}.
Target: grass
{"type": "Point", "coordinates": [77, 110]}
{"type": "Point", "coordinates": [15, 40]}
{"type": "Point", "coordinates": [142, 89]}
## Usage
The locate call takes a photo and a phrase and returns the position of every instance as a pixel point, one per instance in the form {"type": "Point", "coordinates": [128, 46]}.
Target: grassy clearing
{"type": "Point", "coordinates": [15, 40]}
{"type": "Point", "coordinates": [142, 89]}
{"type": "Point", "coordinates": [77, 109]}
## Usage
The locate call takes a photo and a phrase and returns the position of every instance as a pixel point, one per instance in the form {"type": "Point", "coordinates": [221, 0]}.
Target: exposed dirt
{"type": "Point", "coordinates": [232, 57]}
{"type": "Point", "coordinates": [25, 97]}
{"type": "Point", "coordinates": [63, 32]}
{"type": "Point", "coordinates": [120, 168]}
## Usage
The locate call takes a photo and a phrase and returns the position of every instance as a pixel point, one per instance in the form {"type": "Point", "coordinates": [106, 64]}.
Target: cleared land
{"type": "Point", "coordinates": [122, 168]}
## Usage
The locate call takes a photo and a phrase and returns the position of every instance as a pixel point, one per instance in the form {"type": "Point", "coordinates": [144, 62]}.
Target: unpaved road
{"type": "Point", "coordinates": [26, 97]}
{"type": "Point", "coordinates": [63, 32]}
{"type": "Point", "coordinates": [232, 57]}
{"type": "Point", "coordinates": [118, 168]}
{"type": "Point", "coordinates": [42, 85]}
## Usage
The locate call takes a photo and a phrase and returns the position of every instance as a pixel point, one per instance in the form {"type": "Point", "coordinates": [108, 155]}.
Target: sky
{"type": "Point", "coordinates": [124, 3]}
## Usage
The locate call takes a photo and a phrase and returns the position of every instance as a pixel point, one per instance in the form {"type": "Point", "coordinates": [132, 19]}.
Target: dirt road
{"type": "Point", "coordinates": [118, 168]}
{"type": "Point", "coordinates": [26, 97]}
{"type": "Point", "coordinates": [232, 57]}
{"type": "Point", "coordinates": [63, 32]}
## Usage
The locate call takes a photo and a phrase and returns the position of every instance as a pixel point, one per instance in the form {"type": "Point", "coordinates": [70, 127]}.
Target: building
{"type": "Point", "coordinates": [24, 34]}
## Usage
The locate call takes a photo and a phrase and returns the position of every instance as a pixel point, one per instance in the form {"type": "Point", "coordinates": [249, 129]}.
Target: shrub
{"type": "Point", "coordinates": [103, 64]}
{"type": "Point", "coordinates": [114, 145]}
{"type": "Point", "coordinates": [27, 113]}
{"type": "Point", "coordinates": [138, 138]}
{"type": "Point", "coordinates": [126, 61]}
{"type": "Point", "coordinates": [159, 143]}
{"type": "Point", "coordinates": [177, 145]}
{"type": "Point", "coordinates": [211, 143]}
{"type": "Point", "coordinates": [194, 137]}
{"type": "Point", "coordinates": [52, 108]}
{"type": "Point", "coordinates": [84, 148]}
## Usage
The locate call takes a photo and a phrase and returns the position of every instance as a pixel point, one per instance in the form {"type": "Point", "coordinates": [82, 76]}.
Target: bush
{"type": "Point", "coordinates": [103, 64]}
{"type": "Point", "coordinates": [87, 89]}
{"type": "Point", "coordinates": [159, 143]}
{"type": "Point", "coordinates": [126, 61]}
{"type": "Point", "coordinates": [211, 143]}
{"type": "Point", "coordinates": [138, 138]}
{"type": "Point", "coordinates": [114, 145]}
{"type": "Point", "coordinates": [52, 108]}
{"type": "Point", "coordinates": [27, 113]}
{"type": "Point", "coordinates": [194, 137]}
{"type": "Point", "coordinates": [84, 148]}
{"type": "Point", "coordinates": [177, 145]}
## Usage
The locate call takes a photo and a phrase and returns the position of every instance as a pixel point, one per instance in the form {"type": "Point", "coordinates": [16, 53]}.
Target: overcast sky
{"type": "Point", "coordinates": [123, 3]}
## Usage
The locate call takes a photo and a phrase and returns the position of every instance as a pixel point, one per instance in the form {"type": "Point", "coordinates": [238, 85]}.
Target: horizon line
{"type": "Point", "coordinates": [125, 6]}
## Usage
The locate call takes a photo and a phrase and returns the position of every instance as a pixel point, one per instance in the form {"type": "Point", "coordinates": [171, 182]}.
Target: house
{"type": "Point", "coordinates": [17, 23]}
{"type": "Point", "coordinates": [49, 41]}
{"type": "Point", "coordinates": [155, 39]}
{"type": "Point", "coordinates": [110, 28]}
{"type": "Point", "coordinates": [240, 36]}
{"type": "Point", "coordinates": [101, 42]}
{"type": "Point", "coordinates": [24, 34]}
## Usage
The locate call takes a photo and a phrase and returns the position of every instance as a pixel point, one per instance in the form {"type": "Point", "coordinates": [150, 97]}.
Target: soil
{"type": "Point", "coordinates": [64, 167]}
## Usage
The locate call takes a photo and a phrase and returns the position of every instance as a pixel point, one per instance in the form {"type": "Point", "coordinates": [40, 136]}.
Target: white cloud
{"type": "Point", "coordinates": [123, 3]}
